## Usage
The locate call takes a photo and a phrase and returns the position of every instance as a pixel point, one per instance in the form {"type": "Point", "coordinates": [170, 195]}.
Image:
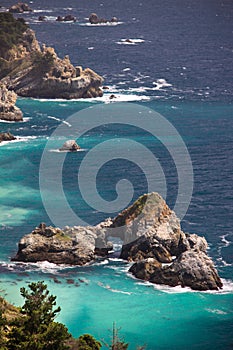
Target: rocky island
{"type": "Point", "coordinates": [32, 71]}
{"type": "Point", "coordinates": [152, 239]}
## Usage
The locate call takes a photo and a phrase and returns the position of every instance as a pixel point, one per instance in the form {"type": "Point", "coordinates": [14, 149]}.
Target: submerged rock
{"type": "Point", "coordinates": [67, 18]}
{"type": "Point", "coordinates": [152, 238]}
{"type": "Point", "coordinates": [70, 145]}
{"type": "Point", "coordinates": [8, 110]}
{"type": "Point", "coordinates": [42, 18]}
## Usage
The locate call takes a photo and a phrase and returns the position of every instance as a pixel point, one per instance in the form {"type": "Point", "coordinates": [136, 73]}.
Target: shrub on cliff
{"type": "Point", "coordinates": [43, 61]}
{"type": "Point", "coordinates": [11, 31]}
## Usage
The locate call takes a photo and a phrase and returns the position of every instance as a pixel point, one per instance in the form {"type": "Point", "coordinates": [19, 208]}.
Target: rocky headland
{"type": "Point", "coordinates": [152, 238]}
{"type": "Point", "coordinates": [32, 71]}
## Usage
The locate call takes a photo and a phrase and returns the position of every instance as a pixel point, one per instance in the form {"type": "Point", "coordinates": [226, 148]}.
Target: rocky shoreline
{"type": "Point", "coordinates": [152, 239]}
{"type": "Point", "coordinates": [28, 70]}
{"type": "Point", "coordinates": [8, 109]}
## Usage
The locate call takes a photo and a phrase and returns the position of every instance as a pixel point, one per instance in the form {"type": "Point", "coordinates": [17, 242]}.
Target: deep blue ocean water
{"type": "Point", "coordinates": [188, 44]}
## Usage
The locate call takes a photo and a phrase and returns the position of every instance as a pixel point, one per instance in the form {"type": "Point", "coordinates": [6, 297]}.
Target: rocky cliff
{"type": "Point", "coordinates": [32, 71]}
{"type": "Point", "coordinates": [152, 239]}
{"type": "Point", "coordinates": [8, 109]}
{"type": "Point", "coordinates": [74, 246]}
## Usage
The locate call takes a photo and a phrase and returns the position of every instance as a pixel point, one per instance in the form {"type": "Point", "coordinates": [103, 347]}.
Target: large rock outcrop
{"type": "Point", "coordinates": [152, 238]}
{"type": "Point", "coordinates": [8, 109]}
{"type": "Point", "coordinates": [162, 252]}
{"type": "Point", "coordinates": [74, 246]}
{"type": "Point", "coordinates": [34, 72]}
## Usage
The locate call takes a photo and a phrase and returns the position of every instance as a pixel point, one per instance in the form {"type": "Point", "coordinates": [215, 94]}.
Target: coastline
{"type": "Point", "coordinates": [199, 104]}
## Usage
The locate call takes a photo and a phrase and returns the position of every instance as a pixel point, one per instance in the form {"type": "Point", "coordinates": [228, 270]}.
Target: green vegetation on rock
{"type": "Point", "coordinates": [11, 31]}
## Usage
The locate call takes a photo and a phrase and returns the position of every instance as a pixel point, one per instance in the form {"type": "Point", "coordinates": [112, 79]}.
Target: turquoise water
{"type": "Point", "coordinates": [162, 318]}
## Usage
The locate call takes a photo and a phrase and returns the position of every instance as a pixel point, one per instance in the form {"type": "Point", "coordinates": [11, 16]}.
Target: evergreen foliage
{"type": "Point", "coordinates": [36, 328]}
{"type": "Point", "coordinates": [11, 31]}
{"type": "Point", "coordinates": [86, 342]}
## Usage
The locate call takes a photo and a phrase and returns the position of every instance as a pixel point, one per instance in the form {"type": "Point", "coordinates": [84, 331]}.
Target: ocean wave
{"type": "Point", "coordinates": [42, 10]}
{"type": "Point", "coordinates": [160, 83]}
{"type": "Point", "coordinates": [25, 120]}
{"type": "Point", "coordinates": [107, 24]}
{"type": "Point", "coordinates": [130, 41]}
{"type": "Point", "coordinates": [108, 287]}
{"type": "Point", "coordinates": [227, 287]}
{"type": "Point", "coordinates": [225, 241]}
{"type": "Point", "coordinates": [100, 263]}
{"type": "Point", "coordinates": [216, 311]}
{"type": "Point", "coordinates": [57, 150]}
{"type": "Point", "coordinates": [60, 120]}
{"type": "Point", "coordinates": [107, 98]}
{"type": "Point", "coordinates": [43, 266]}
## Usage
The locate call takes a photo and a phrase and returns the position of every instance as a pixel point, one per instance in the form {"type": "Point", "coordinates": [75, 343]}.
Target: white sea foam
{"type": "Point", "coordinates": [129, 41]}
{"type": "Point", "coordinates": [100, 263]}
{"type": "Point", "coordinates": [60, 120]}
{"type": "Point", "coordinates": [56, 150]}
{"type": "Point", "coordinates": [43, 266]}
{"type": "Point", "coordinates": [227, 287]}
{"type": "Point", "coordinates": [117, 98]}
{"type": "Point", "coordinates": [42, 10]}
{"type": "Point", "coordinates": [225, 241]}
{"type": "Point", "coordinates": [216, 311]}
{"type": "Point", "coordinates": [108, 287]}
{"type": "Point", "coordinates": [160, 83]}
{"type": "Point", "coordinates": [116, 260]}
{"type": "Point", "coordinates": [13, 122]}
{"type": "Point", "coordinates": [107, 24]}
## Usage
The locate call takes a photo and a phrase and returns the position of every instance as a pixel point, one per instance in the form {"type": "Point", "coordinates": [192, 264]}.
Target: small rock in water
{"type": "Point", "coordinates": [70, 145]}
{"type": "Point", "coordinates": [6, 136]}
{"type": "Point", "coordinates": [94, 19]}
{"type": "Point", "coordinates": [42, 18]}
{"type": "Point", "coordinates": [112, 97]}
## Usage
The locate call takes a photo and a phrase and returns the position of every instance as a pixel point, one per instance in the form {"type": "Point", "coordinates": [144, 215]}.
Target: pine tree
{"type": "Point", "coordinates": [116, 342]}
{"type": "Point", "coordinates": [36, 329]}
{"type": "Point", "coordinates": [87, 342]}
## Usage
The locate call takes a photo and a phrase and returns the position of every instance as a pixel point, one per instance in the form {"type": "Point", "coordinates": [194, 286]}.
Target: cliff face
{"type": "Point", "coordinates": [162, 253]}
{"type": "Point", "coordinates": [34, 72]}
{"type": "Point", "coordinates": [8, 110]}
